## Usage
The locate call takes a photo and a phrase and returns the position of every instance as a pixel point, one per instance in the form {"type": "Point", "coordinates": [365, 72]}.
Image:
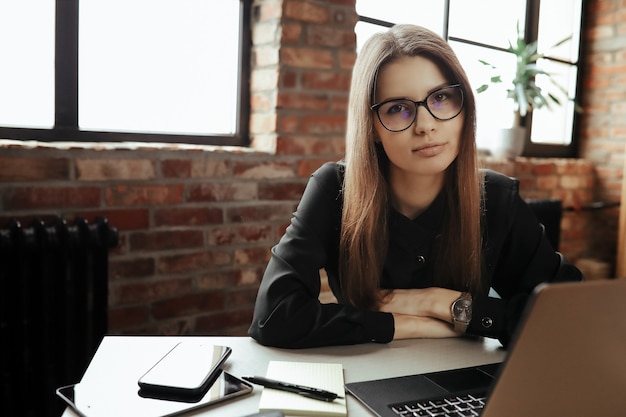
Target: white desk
{"type": "Point", "coordinates": [125, 358]}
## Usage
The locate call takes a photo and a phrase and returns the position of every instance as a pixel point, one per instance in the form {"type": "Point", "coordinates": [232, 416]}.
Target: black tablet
{"type": "Point", "coordinates": [89, 401]}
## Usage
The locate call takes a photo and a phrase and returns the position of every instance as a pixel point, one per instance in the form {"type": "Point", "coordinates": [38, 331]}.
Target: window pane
{"type": "Point", "coordinates": [493, 110]}
{"type": "Point", "coordinates": [554, 125]}
{"type": "Point", "coordinates": [567, 14]}
{"type": "Point", "coordinates": [363, 31]}
{"type": "Point", "coordinates": [27, 70]}
{"type": "Point", "coordinates": [491, 22]}
{"type": "Point", "coordinates": [165, 66]}
{"type": "Point", "coordinates": [427, 13]}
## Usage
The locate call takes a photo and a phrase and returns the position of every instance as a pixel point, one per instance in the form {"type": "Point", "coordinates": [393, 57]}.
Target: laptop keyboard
{"type": "Point", "coordinates": [462, 406]}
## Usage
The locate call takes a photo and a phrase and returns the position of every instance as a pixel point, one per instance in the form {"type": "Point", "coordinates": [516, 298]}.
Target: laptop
{"type": "Point", "coordinates": [568, 359]}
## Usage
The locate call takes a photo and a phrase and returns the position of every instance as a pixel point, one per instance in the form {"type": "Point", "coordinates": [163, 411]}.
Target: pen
{"type": "Point", "coordinates": [315, 393]}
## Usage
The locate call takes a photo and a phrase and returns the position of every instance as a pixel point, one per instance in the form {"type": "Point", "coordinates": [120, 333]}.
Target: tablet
{"type": "Point", "coordinates": [89, 401]}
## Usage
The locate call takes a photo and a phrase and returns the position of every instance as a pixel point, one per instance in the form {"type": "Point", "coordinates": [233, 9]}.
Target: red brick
{"type": "Point", "coordinates": [232, 191]}
{"type": "Point", "coordinates": [306, 11]}
{"type": "Point", "coordinates": [122, 269]}
{"type": "Point", "coordinates": [326, 80]}
{"type": "Point", "coordinates": [339, 103]}
{"type": "Point", "coordinates": [147, 291]}
{"type": "Point", "coordinates": [259, 213]}
{"type": "Point", "coordinates": [331, 37]}
{"type": "Point", "coordinates": [311, 145]}
{"type": "Point", "coordinates": [263, 170]}
{"type": "Point", "coordinates": [307, 57]}
{"type": "Point", "coordinates": [114, 169]}
{"type": "Point", "coordinates": [307, 166]}
{"type": "Point", "coordinates": [251, 276]}
{"type": "Point", "coordinates": [176, 168]}
{"type": "Point", "coordinates": [281, 191]}
{"type": "Point", "coordinates": [242, 297]}
{"type": "Point", "coordinates": [291, 33]}
{"type": "Point", "coordinates": [166, 240]}
{"type": "Point", "coordinates": [188, 216]}
{"type": "Point", "coordinates": [210, 168]}
{"type": "Point", "coordinates": [19, 198]}
{"type": "Point", "coordinates": [323, 124]}
{"type": "Point", "coordinates": [145, 194]}
{"type": "Point", "coordinates": [288, 124]}
{"type": "Point", "coordinates": [250, 256]}
{"type": "Point", "coordinates": [289, 78]}
{"type": "Point", "coordinates": [302, 101]}
{"type": "Point", "coordinates": [179, 327]}
{"type": "Point", "coordinates": [121, 317]}
{"type": "Point", "coordinates": [190, 262]}
{"type": "Point", "coordinates": [546, 168]}
{"type": "Point", "coordinates": [34, 169]}
{"type": "Point", "coordinates": [240, 234]}
{"type": "Point", "coordinates": [188, 304]}
{"type": "Point", "coordinates": [216, 280]}
{"type": "Point", "coordinates": [347, 60]}
{"type": "Point", "coordinates": [225, 320]}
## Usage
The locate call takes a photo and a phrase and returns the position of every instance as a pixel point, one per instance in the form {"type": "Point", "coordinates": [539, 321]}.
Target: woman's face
{"type": "Point", "coordinates": [428, 146]}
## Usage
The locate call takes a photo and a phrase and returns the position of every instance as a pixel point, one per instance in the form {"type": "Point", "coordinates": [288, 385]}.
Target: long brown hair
{"type": "Point", "coordinates": [364, 240]}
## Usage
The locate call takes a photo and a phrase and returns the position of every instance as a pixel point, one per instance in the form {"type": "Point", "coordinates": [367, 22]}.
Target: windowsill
{"type": "Point", "coordinates": [143, 146]}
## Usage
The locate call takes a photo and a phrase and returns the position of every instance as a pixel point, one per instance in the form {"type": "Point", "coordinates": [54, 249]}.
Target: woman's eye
{"type": "Point", "coordinates": [441, 97]}
{"type": "Point", "coordinates": [396, 108]}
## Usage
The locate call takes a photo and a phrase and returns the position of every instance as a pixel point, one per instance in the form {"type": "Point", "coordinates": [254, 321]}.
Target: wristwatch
{"type": "Point", "coordinates": [462, 312]}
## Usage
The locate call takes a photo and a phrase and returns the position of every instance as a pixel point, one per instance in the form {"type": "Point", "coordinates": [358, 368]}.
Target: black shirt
{"type": "Point", "coordinates": [516, 253]}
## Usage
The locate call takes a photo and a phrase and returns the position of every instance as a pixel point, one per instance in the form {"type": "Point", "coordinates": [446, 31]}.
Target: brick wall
{"type": "Point", "coordinates": [603, 124]}
{"type": "Point", "coordinates": [197, 223]}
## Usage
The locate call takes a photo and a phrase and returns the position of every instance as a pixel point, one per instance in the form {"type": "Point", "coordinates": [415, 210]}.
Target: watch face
{"type": "Point", "coordinates": [462, 309]}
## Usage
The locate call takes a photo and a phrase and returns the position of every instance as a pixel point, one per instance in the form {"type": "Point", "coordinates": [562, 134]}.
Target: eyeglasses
{"type": "Point", "coordinates": [397, 115]}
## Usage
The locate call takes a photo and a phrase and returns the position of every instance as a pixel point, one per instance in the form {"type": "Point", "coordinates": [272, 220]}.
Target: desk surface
{"type": "Point", "coordinates": [123, 358]}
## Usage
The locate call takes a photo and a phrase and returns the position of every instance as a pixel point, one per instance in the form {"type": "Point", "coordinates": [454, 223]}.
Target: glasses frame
{"type": "Point", "coordinates": [376, 107]}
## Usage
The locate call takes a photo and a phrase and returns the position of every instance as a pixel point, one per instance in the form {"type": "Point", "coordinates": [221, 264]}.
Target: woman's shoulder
{"type": "Point", "coordinates": [499, 182]}
{"type": "Point", "coordinates": [330, 173]}
{"type": "Point", "coordinates": [501, 191]}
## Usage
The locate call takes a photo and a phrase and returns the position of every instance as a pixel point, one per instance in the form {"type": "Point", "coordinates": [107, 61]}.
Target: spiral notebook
{"type": "Point", "coordinates": [327, 376]}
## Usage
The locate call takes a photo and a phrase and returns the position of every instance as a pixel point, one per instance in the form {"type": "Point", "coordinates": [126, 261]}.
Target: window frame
{"type": "Point", "coordinates": [531, 149]}
{"type": "Point", "coordinates": [66, 81]}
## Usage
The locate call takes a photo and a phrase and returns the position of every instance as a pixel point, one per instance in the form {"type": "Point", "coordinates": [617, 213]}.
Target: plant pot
{"type": "Point", "coordinates": [509, 143]}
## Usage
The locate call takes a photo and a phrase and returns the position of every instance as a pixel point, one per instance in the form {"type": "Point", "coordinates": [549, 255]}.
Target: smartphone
{"type": "Point", "coordinates": [98, 400]}
{"type": "Point", "coordinates": [185, 373]}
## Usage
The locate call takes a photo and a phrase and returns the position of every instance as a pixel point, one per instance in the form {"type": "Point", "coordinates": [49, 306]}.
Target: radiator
{"type": "Point", "coordinates": [53, 308]}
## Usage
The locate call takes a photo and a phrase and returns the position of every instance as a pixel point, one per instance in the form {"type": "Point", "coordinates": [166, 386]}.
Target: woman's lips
{"type": "Point", "coordinates": [430, 149]}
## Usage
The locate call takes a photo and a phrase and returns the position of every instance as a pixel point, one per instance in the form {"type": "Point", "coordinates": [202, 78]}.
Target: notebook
{"type": "Point", "coordinates": [327, 376]}
{"type": "Point", "coordinates": [568, 359]}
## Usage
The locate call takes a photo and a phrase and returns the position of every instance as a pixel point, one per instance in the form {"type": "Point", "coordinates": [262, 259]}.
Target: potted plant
{"type": "Point", "coordinates": [525, 94]}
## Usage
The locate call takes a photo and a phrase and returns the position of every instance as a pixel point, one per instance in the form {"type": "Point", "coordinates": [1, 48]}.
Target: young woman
{"type": "Point", "coordinates": [416, 241]}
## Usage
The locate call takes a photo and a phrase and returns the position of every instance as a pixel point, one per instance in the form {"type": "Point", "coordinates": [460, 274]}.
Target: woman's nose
{"type": "Point", "coordinates": [424, 121]}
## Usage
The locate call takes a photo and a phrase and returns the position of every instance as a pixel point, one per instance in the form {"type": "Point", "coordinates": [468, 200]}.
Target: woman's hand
{"type": "Point", "coordinates": [431, 302]}
{"type": "Point", "coordinates": [411, 327]}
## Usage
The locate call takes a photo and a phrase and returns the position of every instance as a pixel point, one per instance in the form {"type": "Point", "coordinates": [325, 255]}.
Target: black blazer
{"type": "Point", "coordinates": [517, 256]}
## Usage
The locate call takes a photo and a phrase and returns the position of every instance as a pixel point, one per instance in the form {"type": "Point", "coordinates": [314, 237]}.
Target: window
{"type": "Point", "coordinates": [481, 30]}
{"type": "Point", "coordinates": [125, 70]}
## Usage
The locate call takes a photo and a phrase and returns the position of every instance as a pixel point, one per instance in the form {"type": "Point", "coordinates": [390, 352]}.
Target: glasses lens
{"type": "Point", "coordinates": [397, 115]}
{"type": "Point", "coordinates": [445, 103]}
